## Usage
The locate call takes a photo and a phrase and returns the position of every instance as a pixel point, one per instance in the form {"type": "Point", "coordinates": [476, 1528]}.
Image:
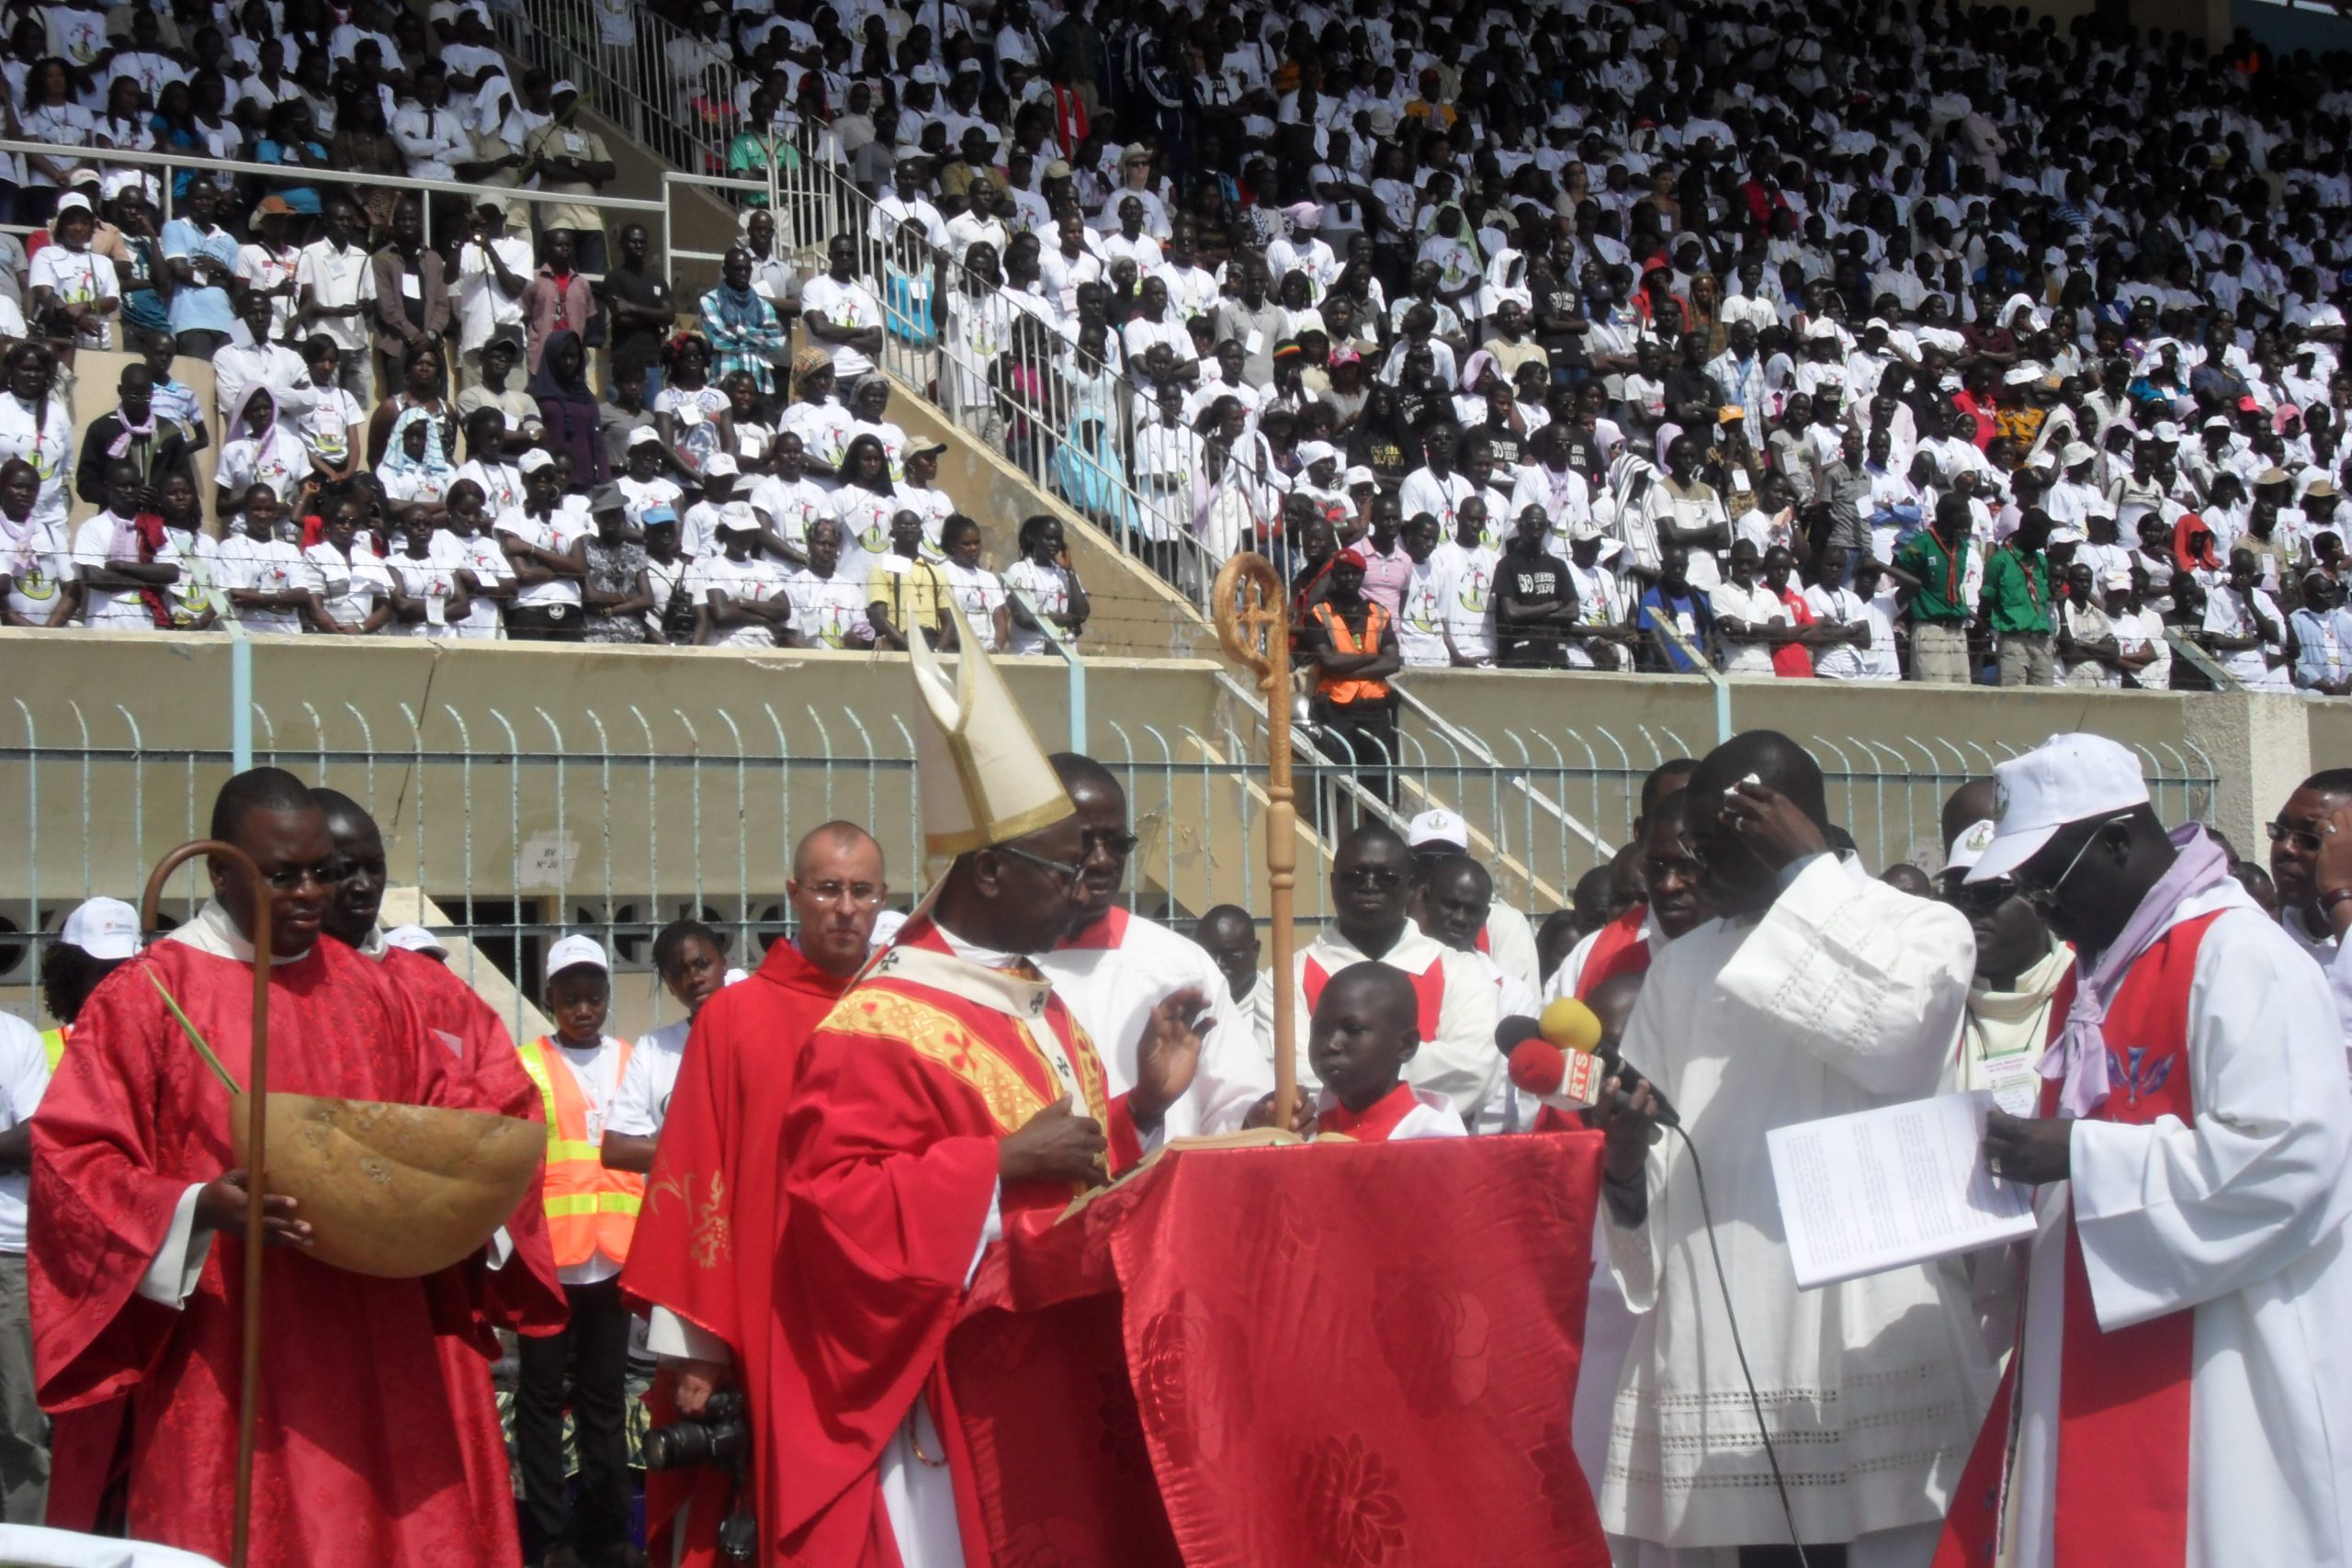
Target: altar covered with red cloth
{"type": "Point", "coordinates": [1319, 1356]}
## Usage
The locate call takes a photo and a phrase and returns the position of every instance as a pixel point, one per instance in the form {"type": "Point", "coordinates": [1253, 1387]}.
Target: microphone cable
{"type": "Point", "coordinates": [1755, 1400]}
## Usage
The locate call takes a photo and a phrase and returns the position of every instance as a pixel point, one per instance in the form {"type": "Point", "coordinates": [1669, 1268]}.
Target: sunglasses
{"type": "Point", "coordinates": [2307, 840]}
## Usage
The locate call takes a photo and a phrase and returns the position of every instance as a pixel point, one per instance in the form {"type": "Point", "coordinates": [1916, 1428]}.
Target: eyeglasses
{"type": "Point", "coordinates": [2307, 840]}
{"type": "Point", "coordinates": [329, 873]}
{"type": "Point", "coordinates": [1980, 896]}
{"type": "Point", "coordinates": [864, 894]}
{"type": "Point", "coordinates": [1066, 870]}
{"type": "Point", "coordinates": [1119, 844]}
{"type": "Point", "coordinates": [1369, 876]}
{"type": "Point", "coordinates": [2044, 897]}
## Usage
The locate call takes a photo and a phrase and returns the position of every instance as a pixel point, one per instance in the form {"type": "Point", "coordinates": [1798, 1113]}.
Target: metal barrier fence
{"type": "Point", "coordinates": [522, 825]}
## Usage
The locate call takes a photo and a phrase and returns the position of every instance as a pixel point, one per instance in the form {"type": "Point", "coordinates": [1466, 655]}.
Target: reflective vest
{"type": "Point", "coordinates": [53, 1045]}
{"type": "Point", "coordinates": [590, 1209]}
{"type": "Point", "coordinates": [1347, 690]}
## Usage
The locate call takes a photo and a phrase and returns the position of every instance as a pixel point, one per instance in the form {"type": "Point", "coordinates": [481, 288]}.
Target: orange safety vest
{"type": "Point", "coordinates": [1346, 690]}
{"type": "Point", "coordinates": [590, 1209]}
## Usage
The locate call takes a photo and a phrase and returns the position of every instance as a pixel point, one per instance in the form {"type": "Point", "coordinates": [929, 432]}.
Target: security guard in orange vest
{"type": "Point", "coordinates": [592, 1212]}
{"type": "Point", "coordinates": [1352, 644]}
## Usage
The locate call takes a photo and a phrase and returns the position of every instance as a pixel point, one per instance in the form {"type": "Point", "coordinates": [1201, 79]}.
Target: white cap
{"type": "Point", "coordinates": [1313, 452]}
{"type": "Point", "coordinates": [2076, 454]}
{"type": "Point", "coordinates": [2067, 778]}
{"type": "Point", "coordinates": [1969, 847]}
{"type": "Point", "coordinates": [537, 457]}
{"type": "Point", "coordinates": [1359, 475]}
{"type": "Point", "coordinates": [417, 939]}
{"type": "Point", "coordinates": [2067, 533]}
{"type": "Point", "coordinates": [720, 466]}
{"type": "Point", "coordinates": [573, 951]}
{"type": "Point", "coordinates": [1438, 827]}
{"type": "Point", "coordinates": [644, 436]}
{"type": "Point", "coordinates": [886, 927]}
{"type": "Point", "coordinates": [103, 927]}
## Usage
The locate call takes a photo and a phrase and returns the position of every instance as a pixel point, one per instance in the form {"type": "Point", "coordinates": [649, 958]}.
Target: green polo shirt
{"type": "Point", "coordinates": [1938, 600]}
{"type": "Point", "coordinates": [2018, 586]}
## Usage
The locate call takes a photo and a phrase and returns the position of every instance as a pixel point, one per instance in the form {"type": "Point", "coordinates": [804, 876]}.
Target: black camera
{"type": "Point", "coordinates": [719, 1437]}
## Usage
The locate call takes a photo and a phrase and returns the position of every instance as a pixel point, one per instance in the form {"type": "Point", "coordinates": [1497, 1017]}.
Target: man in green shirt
{"type": "Point", "coordinates": [2017, 599]}
{"type": "Point", "coordinates": [1935, 565]}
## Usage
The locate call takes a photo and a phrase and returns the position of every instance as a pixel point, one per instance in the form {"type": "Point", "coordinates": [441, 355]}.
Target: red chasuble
{"type": "Point", "coordinates": [713, 1219]}
{"type": "Point", "coordinates": [355, 1462]}
{"type": "Point", "coordinates": [897, 1103]}
{"type": "Point", "coordinates": [2123, 1411]}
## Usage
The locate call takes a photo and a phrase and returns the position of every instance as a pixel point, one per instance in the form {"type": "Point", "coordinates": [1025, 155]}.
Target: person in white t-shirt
{"type": "Point", "coordinates": [2246, 629]}
{"type": "Point", "coordinates": [828, 603]}
{"type": "Point", "coordinates": [741, 595]}
{"type": "Point", "coordinates": [493, 269]}
{"type": "Point", "coordinates": [467, 543]}
{"type": "Point", "coordinates": [840, 314]}
{"type": "Point", "coordinates": [39, 581]}
{"type": "Point", "coordinates": [1866, 611]}
{"type": "Point", "coordinates": [1469, 568]}
{"type": "Point", "coordinates": [980, 593]}
{"type": "Point", "coordinates": [427, 593]}
{"type": "Point", "coordinates": [545, 543]}
{"type": "Point", "coordinates": [262, 569]}
{"type": "Point", "coordinates": [1041, 578]}
{"type": "Point", "coordinates": [1420, 621]}
{"type": "Point", "coordinates": [788, 500]}
{"type": "Point", "coordinates": [107, 559]}
{"type": "Point", "coordinates": [24, 1441]}
{"type": "Point", "coordinates": [75, 279]}
{"type": "Point", "coordinates": [691, 959]}
{"type": "Point", "coordinates": [350, 593]}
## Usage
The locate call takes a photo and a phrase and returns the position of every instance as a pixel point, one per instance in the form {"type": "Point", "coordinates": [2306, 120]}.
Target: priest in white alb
{"type": "Point", "coordinates": [1815, 991]}
{"type": "Point", "coordinates": [1118, 968]}
{"type": "Point", "coordinates": [1371, 891]}
{"type": "Point", "coordinates": [2181, 1395]}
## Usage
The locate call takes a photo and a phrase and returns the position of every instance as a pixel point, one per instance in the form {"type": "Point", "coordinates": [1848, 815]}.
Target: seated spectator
{"type": "Point", "coordinates": [135, 432]}
{"type": "Point", "coordinates": [746, 335]}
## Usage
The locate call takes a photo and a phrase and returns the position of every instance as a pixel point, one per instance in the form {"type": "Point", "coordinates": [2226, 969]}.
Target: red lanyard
{"type": "Point", "coordinates": [1951, 566]}
{"type": "Point", "coordinates": [2025, 569]}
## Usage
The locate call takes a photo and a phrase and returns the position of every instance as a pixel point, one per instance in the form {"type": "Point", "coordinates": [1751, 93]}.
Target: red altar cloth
{"type": "Point", "coordinates": [1352, 1356]}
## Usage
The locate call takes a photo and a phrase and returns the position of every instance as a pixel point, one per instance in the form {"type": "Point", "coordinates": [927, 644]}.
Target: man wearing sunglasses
{"type": "Point", "coordinates": [1123, 974]}
{"type": "Point", "coordinates": [2306, 823]}
{"type": "Point", "coordinates": [2181, 1388]}
{"type": "Point", "coordinates": [1371, 889]}
{"type": "Point", "coordinates": [2019, 966]}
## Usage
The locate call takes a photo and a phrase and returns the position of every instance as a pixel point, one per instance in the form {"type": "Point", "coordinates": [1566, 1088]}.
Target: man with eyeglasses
{"type": "Point", "coordinates": [1118, 970]}
{"type": "Point", "coordinates": [2181, 1390]}
{"type": "Point", "coordinates": [2305, 823]}
{"type": "Point", "coordinates": [2019, 966]}
{"type": "Point", "coordinates": [131, 1192]}
{"type": "Point", "coordinates": [1371, 888]}
{"type": "Point", "coordinates": [707, 1238]}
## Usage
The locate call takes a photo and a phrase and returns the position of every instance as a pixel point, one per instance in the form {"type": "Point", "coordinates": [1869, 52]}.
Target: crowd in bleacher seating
{"type": "Point", "coordinates": [1941, 344]}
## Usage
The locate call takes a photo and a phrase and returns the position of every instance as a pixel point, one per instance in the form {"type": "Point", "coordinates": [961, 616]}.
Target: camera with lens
{"type": "Point", "coordinates": [717, 1436]}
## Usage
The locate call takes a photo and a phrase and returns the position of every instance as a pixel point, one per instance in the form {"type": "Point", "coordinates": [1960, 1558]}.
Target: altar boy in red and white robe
{"type": "Point", "coordinates": [1363, 1032]}
{"type": "Point", "coordinates": [2181, 1396]}
{"type": "Point", "coordinates": [948, 1097]}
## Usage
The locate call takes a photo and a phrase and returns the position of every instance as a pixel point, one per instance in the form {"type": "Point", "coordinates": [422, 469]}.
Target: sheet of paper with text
{"type": "Point", "coordinates": [1876, 1189]}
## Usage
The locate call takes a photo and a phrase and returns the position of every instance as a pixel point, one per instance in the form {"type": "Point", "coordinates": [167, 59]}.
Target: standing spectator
{"type": "Point", "coordinates": [258, 361]}
{"type": "Point", "coordinates": [638, 304]}
{"type": "Point", "coordinates": [134, 431]}
{"type": "Point", "coordinates": [567, 410]}
{"type": "Point", "coordinates": [265, 265]}
{"type": "Point", "coordinates": [72, 292]}
{"type": "Point", "coordinates": [546, 541]}
{"type": "Point", "coordinates": [746, 335]}
{"type": "Point", "coordinates": [743, 599]}
{"type": "Point", "coordinates": [559, 297]}
{"type": "Point", "coordinates": [1855, 626]}
{"type": "Point", "coordinates": [906, 595]}
{"type": "Point", "coordinates": [2242, 626]}
{"type": "Point", "coordinates": [2016, 597]}
{"type": "Point", "coordinates": [1352, 646]}
{"type": "Point", "coordinates": [828, 606]}
{"type": "Point", "coordinates": [493, 269]}
{"type": "Point", "coordinates": [427, 592]}
{"type": "Point", "coordinates": [1535, 610]}
{"type": "Point", "coordinates": [431, 134]}
{"type": "Point", "coordinates": [1674, 601]}
{"type": "Point", "coordinates": [1934, 567]}
{"type": "Point", "coordinates": [1752, 622]}
{"type": "Point", "coordinates": [263, 573]}
{"type": "Point", "coordinates": [38, 426]}
{"type": "Point", "coordinates": [691, 960]}
{"type": "Point", "coordinates": [350, 592]}
{"type": "Point", "coordinates": [39, 582]}
{"type": "Point", "coordinates": [572, 161]}
{"type": "Point", "coordinates": [2322, 637]}
{"type": "Point", "coordinates": [592, 1213]}
{"type": "Point", "coordinates": [980, 593]}
{"type": "Point", "coordinates": [411, 294]}
{"type": "Point", "coordinates": [335, 295]}
{"type": "Point", "coordinates": [1041, 578]}
{"type": "Point", "coordinates": [841, 315]}
{"type": "Point", "coordinates": [615, 593]}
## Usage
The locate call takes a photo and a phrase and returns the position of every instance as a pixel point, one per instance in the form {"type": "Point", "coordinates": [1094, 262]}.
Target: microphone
{"type": "Point", "coordinates": [1564, 1080]}
{"type": "Point", "coordinates": [1554, 1062]}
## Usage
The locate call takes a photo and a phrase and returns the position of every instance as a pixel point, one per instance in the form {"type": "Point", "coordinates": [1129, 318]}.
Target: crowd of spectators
{"type": "Point", "coordinates": [1874, 343]}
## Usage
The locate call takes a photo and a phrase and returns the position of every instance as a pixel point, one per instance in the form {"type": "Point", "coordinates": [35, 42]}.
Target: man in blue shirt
{"type": "Point", "coordinates": [202, 259]}
{"type": "Point", "coordinates": [1674, 601]}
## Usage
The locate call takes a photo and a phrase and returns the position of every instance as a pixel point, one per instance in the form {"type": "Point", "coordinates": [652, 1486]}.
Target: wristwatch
{"type": "Point", "coordinates": [2330, 898]}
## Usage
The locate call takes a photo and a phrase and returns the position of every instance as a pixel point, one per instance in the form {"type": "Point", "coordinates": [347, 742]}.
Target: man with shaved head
{"type": "Point", "coordinates": [1371, 891]}
{"type": "Point", "coordinates": [713, 1210]}
{"type": "Point", "coordinates": [1814, 990]}
{"type": "Point", "coordinates": [137, 1236]}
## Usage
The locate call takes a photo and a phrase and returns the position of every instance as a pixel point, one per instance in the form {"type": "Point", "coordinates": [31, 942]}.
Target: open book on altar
{"type": "Point", "coordinates": [1249, 1138]}
{"type": "Point", "coordinates": [1877, 1189]}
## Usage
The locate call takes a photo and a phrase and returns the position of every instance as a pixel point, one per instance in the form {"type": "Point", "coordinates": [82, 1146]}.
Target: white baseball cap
{"type": "Point", "coordinates": [1969, 847]}
{"type": "Point", "coordinates": [1438, 827]}
{"type": "Point", "coordinates": [537, 457]}
{"type": "Point", "coordinates": [719, 465]}
{"type": "Point", "coordinates": [645, 436]}
{"type": "Point", "coordinates": [417, 939]}
{"type": "Point", "coordinates": [573, 951]}
{"type": "Point", "coordinates": [103, 927]}
{"type": "Point", "coordinates": [2067, 778]}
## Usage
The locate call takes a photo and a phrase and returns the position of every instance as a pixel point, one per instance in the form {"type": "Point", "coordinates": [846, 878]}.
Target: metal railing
{"type": "Point", "coordinates": [523, 824]}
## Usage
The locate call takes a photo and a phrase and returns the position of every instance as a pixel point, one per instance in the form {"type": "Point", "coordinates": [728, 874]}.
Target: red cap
{"type": "Point", "coordinates": [1351, 556]}
{"type": "Point", "coordinates": [1539, 1068]}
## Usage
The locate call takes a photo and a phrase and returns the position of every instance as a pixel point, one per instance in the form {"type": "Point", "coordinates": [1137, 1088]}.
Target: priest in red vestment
{"type": "Point", "coordinates": [947, 1097]}
{"type": "Point", "coordinates": [138, 1233]}
{"type": "Point", "coordinates": [702, 1257]}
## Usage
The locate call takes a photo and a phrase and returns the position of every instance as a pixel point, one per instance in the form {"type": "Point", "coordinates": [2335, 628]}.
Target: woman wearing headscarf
{"type": "Point", "coordinates": [414, 468]}
{"type": "Point", "coordinates": [568, 407]}
{"type": "Point", "coordinates": [262, 449]}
